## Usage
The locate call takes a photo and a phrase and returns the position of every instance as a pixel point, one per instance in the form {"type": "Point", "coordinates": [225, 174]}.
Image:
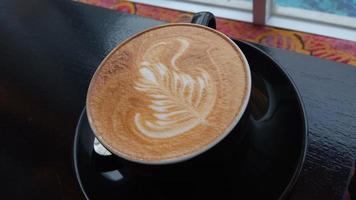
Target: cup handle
{"type": "Point", "coordinates": [103, 159]}
{"type": "Point", "coordinates": [205, 19]}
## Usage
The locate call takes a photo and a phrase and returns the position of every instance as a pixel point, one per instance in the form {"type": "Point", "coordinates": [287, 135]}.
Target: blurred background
{"type": "Point", "coordinates": [321, 28]}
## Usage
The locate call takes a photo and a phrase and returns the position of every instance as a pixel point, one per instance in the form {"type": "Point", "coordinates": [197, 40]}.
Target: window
{"type": "Point", "coordinates": [336, 7]}
{"type": "Point", "coordinates": [335, 18]}
{"type": "Point", "coordinates": [335, 12]}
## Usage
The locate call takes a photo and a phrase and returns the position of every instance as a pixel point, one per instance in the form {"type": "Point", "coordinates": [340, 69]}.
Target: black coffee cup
{"type": "Point", "coordinates": [216, 159]}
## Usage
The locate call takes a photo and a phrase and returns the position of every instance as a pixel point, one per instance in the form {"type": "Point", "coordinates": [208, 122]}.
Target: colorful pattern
{"type": "Point", "coordinates": [319, 46]}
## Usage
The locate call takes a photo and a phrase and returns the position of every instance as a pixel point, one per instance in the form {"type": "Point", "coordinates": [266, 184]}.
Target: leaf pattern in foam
{"type": "Point", "coordinates": [179, 102]}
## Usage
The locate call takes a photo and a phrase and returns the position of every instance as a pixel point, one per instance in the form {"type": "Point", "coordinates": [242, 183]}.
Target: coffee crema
{"type": "Point", "coordinates": [168, 92]}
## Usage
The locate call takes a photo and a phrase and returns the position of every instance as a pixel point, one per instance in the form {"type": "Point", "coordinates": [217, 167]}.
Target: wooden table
{"type": "Point", "coordinates": [49, 51]}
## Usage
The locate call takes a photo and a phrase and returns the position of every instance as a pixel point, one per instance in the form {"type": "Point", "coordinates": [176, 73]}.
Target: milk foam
{"type": "Point", "coordinates": [179, 101]}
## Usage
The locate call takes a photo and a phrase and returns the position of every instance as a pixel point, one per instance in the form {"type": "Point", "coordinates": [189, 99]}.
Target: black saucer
{"type": "Point", "coordinates": [277, 146]}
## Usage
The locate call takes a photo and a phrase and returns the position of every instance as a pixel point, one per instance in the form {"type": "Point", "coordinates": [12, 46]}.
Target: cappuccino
{"type": "Point", "coordinates": [168, 93]}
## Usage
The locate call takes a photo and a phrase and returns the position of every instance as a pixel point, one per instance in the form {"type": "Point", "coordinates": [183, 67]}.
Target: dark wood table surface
{"type": "Point", "coordinates": [48, 53]}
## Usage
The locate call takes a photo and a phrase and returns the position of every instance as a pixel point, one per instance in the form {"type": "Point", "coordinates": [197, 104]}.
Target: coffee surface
{"type": "Point", "coordinates": [168, 92]}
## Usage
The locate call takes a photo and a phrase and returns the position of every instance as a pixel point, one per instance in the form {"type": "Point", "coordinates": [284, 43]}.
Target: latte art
{"type": "Point", "coordinates": [179, 102]}
{"type": "Point", "coordinates": [168, 93]}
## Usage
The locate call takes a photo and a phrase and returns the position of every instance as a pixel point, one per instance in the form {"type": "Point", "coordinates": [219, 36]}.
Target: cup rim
{"type": "Point", "coordinates": [200, 150]}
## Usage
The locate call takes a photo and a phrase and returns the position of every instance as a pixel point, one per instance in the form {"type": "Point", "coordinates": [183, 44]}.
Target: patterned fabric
{"type": "Point", "coordinates": [338, 50]}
